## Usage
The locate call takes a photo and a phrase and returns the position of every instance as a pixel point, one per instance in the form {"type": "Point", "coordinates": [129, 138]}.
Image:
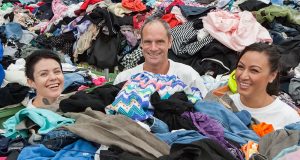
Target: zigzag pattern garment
{"type": "Point", "coordinates": [134, 99]}
{"type": "Point", "coordinates": [185, 42]}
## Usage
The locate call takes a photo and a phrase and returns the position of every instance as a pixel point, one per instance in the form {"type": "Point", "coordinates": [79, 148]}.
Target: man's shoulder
{"type": "Point", "coordinates": [184, 69]}
{"type": "Point", "coordinates": [126, 74]}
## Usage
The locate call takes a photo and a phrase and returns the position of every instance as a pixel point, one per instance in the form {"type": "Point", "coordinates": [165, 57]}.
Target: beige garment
{"type": "Point", "coordinates": [271, 144]}
{"type": "Point", "coordinates": [85, 40]}
{"type": "Point", "coordinates": [24, 19]}
{"type": "Point", "coordinates": [118, 9]}
{"type": "Point", "coordinates": [117, 130]}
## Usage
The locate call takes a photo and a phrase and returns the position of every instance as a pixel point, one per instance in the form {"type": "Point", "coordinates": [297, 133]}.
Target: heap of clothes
{"type": "Point", "coordinates": [164, 119]}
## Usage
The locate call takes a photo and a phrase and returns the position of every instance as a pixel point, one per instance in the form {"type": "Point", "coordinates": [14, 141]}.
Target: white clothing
{"type": "Point", "coordinates": [184, 72]}
{"type": "Point", "coordinates": [16, 77]}
{"type": "Point", "coordinates": [278, 113]}
{"type": "Point", "coordinates": [30, 105]}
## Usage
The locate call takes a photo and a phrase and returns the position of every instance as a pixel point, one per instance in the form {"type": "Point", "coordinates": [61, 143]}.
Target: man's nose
{"type": "Point", "coordinates": [153, 46]}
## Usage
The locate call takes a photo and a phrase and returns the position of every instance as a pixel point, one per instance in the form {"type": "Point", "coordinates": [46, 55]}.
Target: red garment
{"type": "Point", "coordinates": [262, 129]}
{"type": "Point", "coordinates": [40, 3]}
{"type": "Point", "coordinates": [31, 8]}
{"type": "Point", "coordinates": [174, 3]}
{"type": "Point", "coordinates": [86, 3]}
{"type": "Point", "coordinates": [138, 21]}
{"type": "Point", "coordinates": [134, 5]}
{"type": "Point", "coordinates": [171, 19]}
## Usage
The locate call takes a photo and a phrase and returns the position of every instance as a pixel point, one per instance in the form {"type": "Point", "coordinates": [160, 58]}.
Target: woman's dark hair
{"type": "Point", "coordinates": [274, 61]}
{"type": "Point", "coordinates": [35, 57]}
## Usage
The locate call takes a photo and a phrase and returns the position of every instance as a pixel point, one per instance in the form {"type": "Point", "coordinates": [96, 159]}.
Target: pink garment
{"type": "Point", "coordinates": [235, 30]}
{"type": "Point", "coordinates": [82, 87]}
{"type": "Point", "coordinates": [99, 81]}
{"type": "Point", "coordinates": [291, 156]}
{"type": "Point", "coordinates": [130, 37]}
{"type": "Point", "coordinates": [176, 10]}
{"type": "Point", "coordinates": [3, 158]}
{"type": "Point", "coordinates": [58, 9]}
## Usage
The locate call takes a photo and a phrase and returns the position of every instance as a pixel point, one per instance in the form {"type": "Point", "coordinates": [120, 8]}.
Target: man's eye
{"type": "Point", "coordinates": [254, 71]}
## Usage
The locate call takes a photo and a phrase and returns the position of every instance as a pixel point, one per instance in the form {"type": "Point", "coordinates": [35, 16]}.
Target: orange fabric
{"type": "Point", "coordinates": [262, 129]}
{"type": "Point", "coordinates": [134, 5]}
{"type": "Point", "coordinates": [249, 149]}
{"type": "Point", "coordinates": [171, 19]}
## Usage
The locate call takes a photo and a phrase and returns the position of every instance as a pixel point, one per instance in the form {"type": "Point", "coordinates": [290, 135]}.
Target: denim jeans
{"type": "Point", "coordinates": [278, 27]}
{"type": "Point", "coordinates": [72, 78]}
{"type": "Point", "coordinates": [13, 31]}
{"type": "Point", "coordinates": [277, 37]}
{"type": "Point", "coordinates": [244, 116]}
{"type": "Point", "coordinates": [7, 145]}
{"type": "Point", "coordinates": [293, 126]}
{"type": "Point", "coordinates": [158, 126]}
{"type": "Point", "coordinates": [57, 139]}
{"type": "Point", "coordinates": [234, 128]}
{"type": "Point", "coordinates": [180, 136]}
{"type": "Point", "coordinates": [2, 74]}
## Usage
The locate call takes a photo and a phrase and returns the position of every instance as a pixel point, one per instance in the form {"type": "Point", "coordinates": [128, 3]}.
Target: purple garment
{"type": "Point", "coordinates": [206, 125]}
{"type": "Point", "coordinates": [211, 128]}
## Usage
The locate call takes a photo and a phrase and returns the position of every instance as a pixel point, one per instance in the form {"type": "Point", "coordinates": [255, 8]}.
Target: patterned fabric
{"type": "Point", "coordinates": [134, 99]}
{"type": "Point", "coordinates": [185, 40]}
{"type": "Point", "coordinates": [131, 60]}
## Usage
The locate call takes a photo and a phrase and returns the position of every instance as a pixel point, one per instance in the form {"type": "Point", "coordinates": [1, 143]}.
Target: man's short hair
{"type": "Point", "coordinates": [156, 19]}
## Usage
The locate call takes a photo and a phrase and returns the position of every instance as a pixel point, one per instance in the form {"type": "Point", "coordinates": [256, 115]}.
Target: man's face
{"type": "Point", "coordinates": [155, 44]}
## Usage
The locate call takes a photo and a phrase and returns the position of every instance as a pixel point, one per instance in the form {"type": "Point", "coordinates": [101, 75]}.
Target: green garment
{"type": "Point", "coordinates": [47, 120]}
{"type": "Point", "coordinates": [272, 12]}
{"type": "Point", "coordinates": [5, 6]}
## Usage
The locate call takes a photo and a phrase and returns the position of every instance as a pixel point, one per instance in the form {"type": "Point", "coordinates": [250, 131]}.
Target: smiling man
{"type": "Point", "coordinates": [155, 43]}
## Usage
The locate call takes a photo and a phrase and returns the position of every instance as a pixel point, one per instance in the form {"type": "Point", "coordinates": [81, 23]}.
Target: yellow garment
{"type": "Point", "coordinates": [232, 82]}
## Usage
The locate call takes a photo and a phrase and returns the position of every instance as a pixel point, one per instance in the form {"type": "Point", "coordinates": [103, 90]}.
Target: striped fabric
{"type": "Point", "coordinates": [134, 98]}
{"type": "Point", "coordinates": [185, 40]}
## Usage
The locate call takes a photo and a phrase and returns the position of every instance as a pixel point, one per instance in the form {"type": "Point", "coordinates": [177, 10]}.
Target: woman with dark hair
{"type": "Point", "coordinates": [44, 73]}
{"type": "Point", "coordinates": [257, 77]}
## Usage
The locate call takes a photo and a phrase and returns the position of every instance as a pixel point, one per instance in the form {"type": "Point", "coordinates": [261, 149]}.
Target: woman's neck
{"type": "Point", "coordinates": [42, 101]}
{"type": "Point", "coordinates": [257, 101]}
